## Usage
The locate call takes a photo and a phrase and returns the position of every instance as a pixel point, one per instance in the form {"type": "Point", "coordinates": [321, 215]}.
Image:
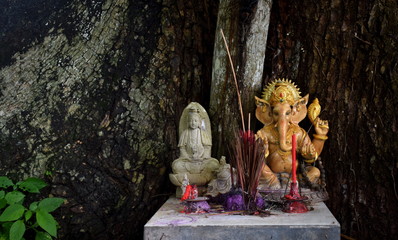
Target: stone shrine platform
{"type": "Point", "coordinates": [170, 223]}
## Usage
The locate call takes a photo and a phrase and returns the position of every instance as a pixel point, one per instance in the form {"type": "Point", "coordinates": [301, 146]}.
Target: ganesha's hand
{"type": "Point", "coordinates": [321, 127]}
{"type": "Point", "coordinates": [308, 151]}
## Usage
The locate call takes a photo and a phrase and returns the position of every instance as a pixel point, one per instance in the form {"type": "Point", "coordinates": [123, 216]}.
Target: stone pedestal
{"type": "Point", "coordinates": [170, 223]}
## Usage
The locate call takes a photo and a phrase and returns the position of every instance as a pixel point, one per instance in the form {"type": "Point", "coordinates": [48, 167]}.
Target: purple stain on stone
{"type": "Point", "coordinates": [235, 202]}
{"type": "Point", "coordinates": [176, 221]}
{"type": "Point", "coordinates": [196, 206]}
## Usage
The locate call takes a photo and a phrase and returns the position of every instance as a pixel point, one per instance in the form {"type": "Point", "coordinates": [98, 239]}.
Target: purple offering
{"type": "Point", "coordinates": [197, 205]}
{"type": "Point", "coordinates": [235, 202]}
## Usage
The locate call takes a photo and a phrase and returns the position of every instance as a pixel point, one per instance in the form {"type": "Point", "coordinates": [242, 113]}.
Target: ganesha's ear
{"type": "Point", "coordinates": [260, 102]}
{"type": "Point", "coordinates": [302, 101]}
{"type": "Point", "coordinates": [300, 109]}
{"type": "Point", "coordinates": [263, 111]}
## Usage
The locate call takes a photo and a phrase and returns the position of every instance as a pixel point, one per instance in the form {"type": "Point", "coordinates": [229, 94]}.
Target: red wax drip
{"type": "Point", "coordinates": [293, 201]}
{"type": "Point", "coordinates": [294, 178]}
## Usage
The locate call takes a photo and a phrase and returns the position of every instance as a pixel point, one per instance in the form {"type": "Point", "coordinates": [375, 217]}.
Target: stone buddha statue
{"type": "Point", "coordinates": [195, 142]}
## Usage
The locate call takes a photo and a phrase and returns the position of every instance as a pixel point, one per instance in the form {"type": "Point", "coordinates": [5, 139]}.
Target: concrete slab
{"type": "Point", "coordinates": [170, 223]}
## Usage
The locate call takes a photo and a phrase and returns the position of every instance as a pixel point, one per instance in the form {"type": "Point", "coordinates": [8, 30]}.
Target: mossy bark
{"type": "Point", "coordinates": [90, 99]}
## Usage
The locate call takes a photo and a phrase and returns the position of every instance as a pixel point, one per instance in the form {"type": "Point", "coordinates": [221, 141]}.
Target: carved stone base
{"type": "Point", "coordinates": [170, 223]}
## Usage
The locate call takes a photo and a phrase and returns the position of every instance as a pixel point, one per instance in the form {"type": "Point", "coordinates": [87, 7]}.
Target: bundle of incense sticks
{"type": "Point", "coordinates": [248, 152]}
{"type": "Point", "coordinates": [248, 159]}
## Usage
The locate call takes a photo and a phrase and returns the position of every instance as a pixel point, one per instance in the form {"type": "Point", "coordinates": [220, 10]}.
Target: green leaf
{"type": "Point", "coordinates": [3, 236]}
{"type": "Point", "coordinates": [43, 236]}
{"type": "Point", "coordinates": [29, 187]}
{"type": "Point", "coordinates": [3, 203]}
{"type": "Point", "coordinates": [12, 213]}
{"type": "Point", "coordinates": [28, 215]}
{"type": "Point", "coordinates": [17, 230]}
{"type": "Point", "coordinates": [7, 226]}
{"type": "Point", "coordinates": [5, 182]}
{"type": "Point", "coordinates": [14, 197]}
{"type": "Point", "coordinates": [32, 185]}
{"type": "Point", "coordinates": [33, 206]}
{"type": "Point", "coordinates": [50, 204]}
{"type": "Point", "coordinates": [2, 194]}
{"type": "Point", "coordinates": [5, 229]}
{"type": "Point", "coordinates": [47, 222]}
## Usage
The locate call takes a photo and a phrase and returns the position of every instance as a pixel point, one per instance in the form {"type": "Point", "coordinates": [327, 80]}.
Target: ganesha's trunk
{"type": "Point", "coordinates": [283, 126]}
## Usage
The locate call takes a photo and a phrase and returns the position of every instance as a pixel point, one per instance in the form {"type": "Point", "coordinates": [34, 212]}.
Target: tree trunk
{"type": "Point", "coordinates": [91, 94]}
{"type": "Point", "coordinates": [345, 53]}
{"type": "Point", "coordinates": [246, 37]}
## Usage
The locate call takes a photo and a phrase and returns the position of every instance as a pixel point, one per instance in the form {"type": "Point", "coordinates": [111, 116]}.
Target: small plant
{"type": "Point", "coordinates": [16, 220]}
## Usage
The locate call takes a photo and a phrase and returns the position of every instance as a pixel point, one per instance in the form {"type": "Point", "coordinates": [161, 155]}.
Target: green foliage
{"type": "Point", "coordinates": [17, 230]}
{"type": "Point", "coordinates": [32, 185]}
{"type": "Point", "coordinates": [5, 182]}
{"type": "Point", "coordinates": [16, 220]}
{"type": "Point", "coordinates": [14, 197]}
{"type": "Point", "coordinates": [47, 222]}
{"type": "Point", "coordinates": [12, 213]}
{"type": "Point", "coordinates": [42, 236]}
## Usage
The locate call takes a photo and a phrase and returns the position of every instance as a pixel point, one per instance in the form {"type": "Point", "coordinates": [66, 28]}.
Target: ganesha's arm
{"type": "Point", "coordinates": [318, 145]}
{"type": "Point", "coordinates": [321, 129]}
{"type": "Point", "coordinates": [307, 148]}
{"type": "Point", "coordinates": [310, 150]}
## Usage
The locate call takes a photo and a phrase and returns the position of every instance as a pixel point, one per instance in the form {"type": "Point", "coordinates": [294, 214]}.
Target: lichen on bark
{"type": "Point", "coordinates": [49, 83]}
{"type": "Point", "coordinates": [92, 104]}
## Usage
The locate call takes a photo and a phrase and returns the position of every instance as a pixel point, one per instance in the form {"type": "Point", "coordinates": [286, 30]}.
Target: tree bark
{"type": "Point", "coordinates": [345, 53]}
{"type": "Point", "coordinates": [91, 95]}
{"type": "Point", "coordinates": [246, 37]}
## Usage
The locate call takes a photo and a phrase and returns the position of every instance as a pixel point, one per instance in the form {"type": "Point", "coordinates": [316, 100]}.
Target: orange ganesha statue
{"type": "Point", "coordinates": [281, 109]}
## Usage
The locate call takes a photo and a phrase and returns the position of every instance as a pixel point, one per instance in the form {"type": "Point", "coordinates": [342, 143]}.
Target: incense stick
{"type": "Point", "coordinates": [248, 123]}
{"type": "Point", "coordinates": [236, 81]}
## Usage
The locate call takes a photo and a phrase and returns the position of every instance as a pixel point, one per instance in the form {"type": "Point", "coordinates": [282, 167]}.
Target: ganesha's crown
{"type": "Point", "coordinates": [280, 91]}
